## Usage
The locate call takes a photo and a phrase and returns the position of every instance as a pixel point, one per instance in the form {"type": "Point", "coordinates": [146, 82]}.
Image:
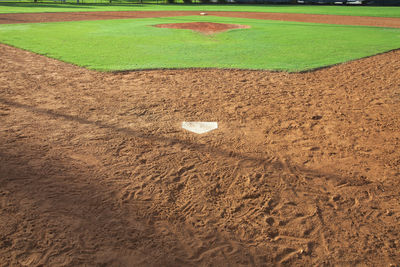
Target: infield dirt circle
{"type": "Point", "coordinates": [303, 170]}
{"type": "Point", "coordinates": [203, 27]}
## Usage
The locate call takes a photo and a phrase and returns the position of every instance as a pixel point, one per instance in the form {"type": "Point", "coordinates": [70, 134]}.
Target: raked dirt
{"type": "Point", "coordinates": [95, 169]}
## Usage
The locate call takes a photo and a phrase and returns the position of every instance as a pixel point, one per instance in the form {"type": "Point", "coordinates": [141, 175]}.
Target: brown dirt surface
{"type": "Point", "coordinates": [95, 170]}
{"type": "Point", "coordinates": [74, 16]}
{"type": "Point", "coordinates": [203, 27]}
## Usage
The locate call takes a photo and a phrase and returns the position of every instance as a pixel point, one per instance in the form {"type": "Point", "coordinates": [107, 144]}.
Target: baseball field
{"type": "Point", "coordinates": [96, 169]}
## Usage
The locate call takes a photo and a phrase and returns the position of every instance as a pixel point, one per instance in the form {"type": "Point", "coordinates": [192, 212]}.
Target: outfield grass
{"type": "Point", "coordinates": [111, 45]}
{"type": "Point", "coordinates": [374, 11]}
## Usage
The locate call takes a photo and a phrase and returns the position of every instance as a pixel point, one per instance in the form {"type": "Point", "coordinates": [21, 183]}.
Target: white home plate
{"type": "Point", "coordinates": [199, 127]}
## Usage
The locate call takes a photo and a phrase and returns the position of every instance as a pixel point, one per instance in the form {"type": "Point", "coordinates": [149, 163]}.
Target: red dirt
{"type": "Point", "coordinates": [74, 16]}
{"type": "Point", "coordinates": [95, 169]}
{"type": "Point", "coordinates": [203, 27]}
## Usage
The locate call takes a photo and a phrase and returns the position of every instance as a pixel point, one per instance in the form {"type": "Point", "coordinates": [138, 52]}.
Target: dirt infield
{"type": "Point", "coordinates": [95, 169]}
{"type": "Point", "coordinates": [203, 27]}
{"type": "Point", "coordinates": [74, 16]}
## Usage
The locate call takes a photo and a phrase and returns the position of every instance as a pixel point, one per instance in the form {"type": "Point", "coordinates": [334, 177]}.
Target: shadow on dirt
{"type": "Point", "coordinates": [274, 163]}
{"type": "Point", "coordinates": [74, 216]}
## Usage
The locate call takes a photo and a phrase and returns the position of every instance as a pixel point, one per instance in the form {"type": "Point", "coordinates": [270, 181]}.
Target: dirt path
{"type": "Point", "coordinates": [95, 169]}
{"type": "Point", "coordinates": [73, 16]}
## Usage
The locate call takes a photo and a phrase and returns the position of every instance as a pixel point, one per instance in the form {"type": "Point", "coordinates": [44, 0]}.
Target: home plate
{"type": "Point", "coordinates": [199, 127]}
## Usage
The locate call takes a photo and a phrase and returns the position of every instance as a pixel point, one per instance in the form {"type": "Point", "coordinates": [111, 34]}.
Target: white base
{"type": "Point", "coordinates": [199, 127]}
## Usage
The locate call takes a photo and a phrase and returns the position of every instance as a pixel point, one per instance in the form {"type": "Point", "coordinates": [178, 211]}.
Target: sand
{"type": "Point", "coordinates": [95, 169]}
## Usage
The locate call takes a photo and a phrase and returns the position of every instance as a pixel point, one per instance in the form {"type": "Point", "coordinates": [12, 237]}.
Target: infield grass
{"type": "Point", "coordinates": [373, 11]}
{"type": "Point", "coordinates": [129, 44]}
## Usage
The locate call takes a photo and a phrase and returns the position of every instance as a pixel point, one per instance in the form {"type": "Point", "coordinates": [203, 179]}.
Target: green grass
{"type": "Point", "coordinates": [374, 11]}
{"type": "Point", "coordinates": [133, 44]}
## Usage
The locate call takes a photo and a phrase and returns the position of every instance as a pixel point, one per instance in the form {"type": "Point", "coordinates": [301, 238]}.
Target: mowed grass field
{"type": "Point", "coordinates": [373, 11]}
{"type": "Point", "coordinates": [131, 44]}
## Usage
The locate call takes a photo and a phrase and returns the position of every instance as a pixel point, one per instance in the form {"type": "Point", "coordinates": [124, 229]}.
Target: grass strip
{"type": "Point", "coordinates": [373, 11]}
{"type": "Point", "coordinates": [129, 44]}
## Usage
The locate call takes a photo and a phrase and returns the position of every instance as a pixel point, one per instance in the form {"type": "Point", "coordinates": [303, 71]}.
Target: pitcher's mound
{"type": "Point", "coordinates": [203, 27]}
